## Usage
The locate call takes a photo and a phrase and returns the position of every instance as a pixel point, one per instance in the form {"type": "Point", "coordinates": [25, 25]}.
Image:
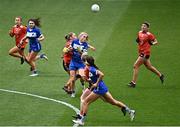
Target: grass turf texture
{"type": "Point", "coordinates": [112, 31]}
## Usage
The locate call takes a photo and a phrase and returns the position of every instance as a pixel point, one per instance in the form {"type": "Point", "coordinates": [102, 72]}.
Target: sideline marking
{"type": "Point", "coordinates": [45, 98]}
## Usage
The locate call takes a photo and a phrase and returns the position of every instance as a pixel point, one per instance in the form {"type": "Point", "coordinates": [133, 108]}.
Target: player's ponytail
{"type": "Point", "coordinates": [68, 36]}
{"type": "Point", "coordinates": [36, 21]}
{"type": "Point", "coordinates": [90, 61]}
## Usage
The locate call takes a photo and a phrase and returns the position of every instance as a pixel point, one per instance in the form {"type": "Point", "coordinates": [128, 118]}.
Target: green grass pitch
{"type": "Point", "coordinates": [112, 31]}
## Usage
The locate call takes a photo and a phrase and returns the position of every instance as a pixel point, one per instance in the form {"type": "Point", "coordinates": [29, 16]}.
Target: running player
{"type": "Point", "coordinates": [145, 40]}
{"type": "Point", "coordinates": [99, 90]}
{"type": "Point", "coordinates": [34, 36]}
{"type": "Point", "coordinates": [18, 31]}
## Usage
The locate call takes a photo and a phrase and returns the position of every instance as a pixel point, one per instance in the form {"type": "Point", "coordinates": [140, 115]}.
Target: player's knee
{"type": "Point", "coordinates": [82, 100]}
{"type": "Point", "coordinates": [135, 66]}
{"type": "Point", "coordinates": [86, 102]}
{"type": "Point", "coordinates": [72, 78]}
{"type": "Point", "coordinates": [28, 60]}
{"type": "Point", "coordinates": [10, 53]}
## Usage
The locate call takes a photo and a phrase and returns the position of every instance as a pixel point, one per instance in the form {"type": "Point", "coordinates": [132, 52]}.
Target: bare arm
{"type": "Point", "coordinates": [22, 41]}
{"type": "Point", "coordinates": [92, 47]}
{"type": "Point", "coordinates": [101, 75]}
{"type": "Point", "coordinates": [154, 42]}
{"type": "Point", "coordinates": [41, 37]}
{"type": "Point", "coordinates": [11, 33]}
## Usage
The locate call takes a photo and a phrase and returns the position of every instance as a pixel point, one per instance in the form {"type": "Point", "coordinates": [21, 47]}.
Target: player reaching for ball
{"type": "Point", "coordinates": [79, 48]}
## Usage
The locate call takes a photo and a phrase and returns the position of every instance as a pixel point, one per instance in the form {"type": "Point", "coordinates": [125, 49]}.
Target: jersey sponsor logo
{"type": "Point", "coordinates": [80, 47]}
{"type": "Point", "coordinates": [31, 34]}
{"type": "Point", "coordinates": [76, 46]}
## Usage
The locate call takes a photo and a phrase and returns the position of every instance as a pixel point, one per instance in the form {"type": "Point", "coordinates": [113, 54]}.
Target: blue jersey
{"type": "Point", "coordinates": [76, 44]}
{"type": "Point", "coordinates": [101, 89]}
{"type": "Point", "coordinates": [33, 35]}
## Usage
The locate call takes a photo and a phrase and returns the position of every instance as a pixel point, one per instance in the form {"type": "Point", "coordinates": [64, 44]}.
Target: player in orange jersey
{"type": "Point", "coordinates": [145, 40]}
{"type": "Point", "coordinates": [67, 54]}
{"type": "Point", "coordinates": [18, 31]}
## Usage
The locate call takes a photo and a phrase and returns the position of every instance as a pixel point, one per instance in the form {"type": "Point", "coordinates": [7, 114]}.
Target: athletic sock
{"type": "Point", "coordinates": [128, 109]}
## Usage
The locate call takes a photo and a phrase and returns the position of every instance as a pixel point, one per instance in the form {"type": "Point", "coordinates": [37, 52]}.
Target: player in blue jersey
{"type": "Point", "coordinates": [99, 89]}
{"type": "Point", "coordinates": [34, 36]}
{"type": "Point", "coordinates": [79, 48]}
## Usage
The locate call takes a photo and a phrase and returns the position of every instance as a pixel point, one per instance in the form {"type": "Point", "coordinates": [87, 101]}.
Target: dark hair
{"type": "Point", "coordinates": [90, 61]}
{"type": "Point", "coordinates": [36, 21]}
{"type": "Point", "coordinates": [147, 24]}
{"type": "Point", "coordinates": [68, 36]}
{"type": "Point", "coordinates": [84, 58]}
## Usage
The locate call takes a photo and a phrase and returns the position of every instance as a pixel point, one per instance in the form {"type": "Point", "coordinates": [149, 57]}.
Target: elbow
{"type": "Point", "coordinates": [155, 43]}
{"type": "Point", "coordinates": [102, 75]}
{"type": "Point", "coordinates": [42, 38]}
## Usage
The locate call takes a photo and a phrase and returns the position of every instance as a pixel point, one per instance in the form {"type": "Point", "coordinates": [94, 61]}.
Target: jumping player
{"type": "Point", "coordinates": [18, 31]}
{"type": "Point", "coordinates": [99, 90]}
{"type": "Point", "coordinates": [79, 48]}
{"type": "Point", "coordinates": [67, 54]}
{"type": "Point", "coordinates": [145, 40]}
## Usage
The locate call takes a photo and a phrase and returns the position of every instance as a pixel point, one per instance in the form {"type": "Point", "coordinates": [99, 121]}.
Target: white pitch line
{"type": "Point", "coordinates": [45, 98]}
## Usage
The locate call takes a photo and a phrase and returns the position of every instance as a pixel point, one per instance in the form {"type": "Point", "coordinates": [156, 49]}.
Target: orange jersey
{"type": "Point", "coordinates": [144, 39]}
{"type": "Point", "coordinates": [19, 32]}
{"type": "Point", "coordinates": [86, 71]}
{"type": "Point", "coordinates": [67, 56]}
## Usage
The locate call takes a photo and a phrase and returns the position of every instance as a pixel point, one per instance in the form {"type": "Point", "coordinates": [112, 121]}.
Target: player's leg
{"type": "Point", "coordinates": [108, 97]}
{"type": "Point", "coordinates": [66, 67]}
{"type": "Point", "coordinates": [149, 66]}
{"type": "Point", "coordinates": [72, 82]}
{"type": "Point", "coordinates": [66, 87]}
{"type": "Point", "coordinates": [88, 100]}
{"type": "Point", "coordinates": [78, 76]}
{"type": "Point", "coordinates": [14, 52]}
{"type": "Point", "coordinates": [137, 64]}
{"type": "Point", "coordinates": [31, 62]}
{"type": "Point", "coordinates": [82, 74]}
{"type": "Point", "coordinates": [21, 52]}
{"type": "Point", "coordinates": [41, 56]}
{"type": "Point", "coordinates": [85, 93]}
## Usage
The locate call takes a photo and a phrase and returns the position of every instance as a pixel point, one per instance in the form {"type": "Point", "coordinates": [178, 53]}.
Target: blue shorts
{"type": "Point", "coordinates": [101, 89]}
{"type": "Point", "coordinates": [36, 47]}
{"type": "Point", "coordinates": [76, 65]}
